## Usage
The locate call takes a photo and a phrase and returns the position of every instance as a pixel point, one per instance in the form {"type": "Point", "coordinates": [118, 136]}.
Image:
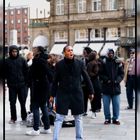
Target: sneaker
{"type": "Point", "coordinates": [93, 116]}
{"type": "Point", "coordinates": [107, 122]}
{"type": "Point", "coordinates": [116, 122]}
{"type": "Point", "coordinates": [43, 131]}
{"type": "Point", "coordinates": [33, 133]}
{"type": "Point", "coordinates": [85, 114]}
{"type": "Point", "coordinates": [23, 122]}
{"type": "Point", "coordinates": [11, 122]}
{"type": "Point", "coordinates": [129, 107]}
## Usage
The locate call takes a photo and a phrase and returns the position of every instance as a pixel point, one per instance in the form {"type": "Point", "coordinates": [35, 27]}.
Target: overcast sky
{"type": "Point", "coordinates": [41, 5]}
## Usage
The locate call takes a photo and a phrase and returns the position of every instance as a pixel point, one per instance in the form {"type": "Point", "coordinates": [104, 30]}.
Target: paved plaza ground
{"type": "Point", "coordinates": [94, 129]}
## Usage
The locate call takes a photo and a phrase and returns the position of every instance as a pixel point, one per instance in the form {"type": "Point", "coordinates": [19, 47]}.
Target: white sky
{"type": "Point", "coordinates": [41, 5]}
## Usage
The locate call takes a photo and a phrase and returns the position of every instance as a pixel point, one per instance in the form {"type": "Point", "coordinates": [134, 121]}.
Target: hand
{"type": "Point", "coordinates": [91, 96]}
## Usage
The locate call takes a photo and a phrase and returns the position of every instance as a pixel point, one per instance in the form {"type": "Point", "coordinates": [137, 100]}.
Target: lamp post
{"type": "Point", "coordinates": [68, 17]}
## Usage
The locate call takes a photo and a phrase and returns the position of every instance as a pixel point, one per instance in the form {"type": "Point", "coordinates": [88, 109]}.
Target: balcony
{"type": "Point", "coordinates": [38, 23]}
{"type": "Point", "coordinates": [115, 14]}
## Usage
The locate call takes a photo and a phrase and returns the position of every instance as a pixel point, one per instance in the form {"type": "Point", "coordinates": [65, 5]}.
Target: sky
{"type": "Point", "coordinates": [35, 5]}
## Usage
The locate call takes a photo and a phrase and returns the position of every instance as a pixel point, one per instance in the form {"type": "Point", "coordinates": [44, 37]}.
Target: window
{"type": "Point", "coordinates": [97, 34]}
{"type": "Point", "coordinates": [5, 21]}
{"type": "Point", "coordinates": [61, 36]}
{"type": "Point", "coordinates": [25, 20]}
{"type": "Point", "coordinates": [112, 33]}
{"type": "Point", "coordinates": [18, 30]}
{"type": "Point", "coordinates": [12, 21]}
{"type": "Point", "coordinates": [12, 12]}
{"type": "Point", "coordinates": [131, 32]}
{"type": "Point", "coordinates": [18, 21]}
{"type": "Point", "coordinates": [5, 13]}
{"type": "Point", "coordinates": [18, 39]}
{"type": "Point", "coordinates": [112, 4]}
{"type": "Point", "coordinates": [25, 11]}
{"type": "Point", "coordinates": [59, 7]}
{"type": "Point", "coordinates": [81, 35]}
{"type": "Point", "coordinates": [18, 11]}
{"type": "Point", "coordinates": [81, 6]}
{"type": "Point", "coordinates": [96, 5]}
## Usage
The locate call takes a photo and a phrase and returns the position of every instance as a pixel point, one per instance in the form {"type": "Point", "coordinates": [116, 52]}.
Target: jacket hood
{"type": "Point", "coordinates": [11, 48]}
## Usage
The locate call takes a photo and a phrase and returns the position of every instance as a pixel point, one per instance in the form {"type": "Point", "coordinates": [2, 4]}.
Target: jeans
{"type": "Point", "coordinates": [115, 106]}
{"type": "Point", "coordinates": [130, 87]}
{"type": "Point", "coordinates": [45, 116]}
{"type": "Point", "coordinates": [78, 126]}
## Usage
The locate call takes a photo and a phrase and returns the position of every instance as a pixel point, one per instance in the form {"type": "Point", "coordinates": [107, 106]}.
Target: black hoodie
{"type": "Point", "coordinates": [16, 69]}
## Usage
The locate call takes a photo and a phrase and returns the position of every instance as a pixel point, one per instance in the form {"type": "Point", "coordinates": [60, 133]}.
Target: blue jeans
{"type": "Point", "coordinates": [78, 126]}
{"type": "Point", "coordinates": [45, 116]}
{"type": "Point", "coordinates": [115, 106]}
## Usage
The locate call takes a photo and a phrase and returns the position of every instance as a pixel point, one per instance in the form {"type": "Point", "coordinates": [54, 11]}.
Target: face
{"type": "Point", "coordinates": [110, 54]}
{"type": "Point", "coordinates": [132, 54]}
{"type": "Point", "coordinates": [68, 53]}
{"type": "Point", "coordinates": [14, 53]}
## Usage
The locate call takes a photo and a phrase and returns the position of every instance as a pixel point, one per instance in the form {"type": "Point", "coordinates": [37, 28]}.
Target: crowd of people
{"type": "Point", "coordinates": [69, 83]}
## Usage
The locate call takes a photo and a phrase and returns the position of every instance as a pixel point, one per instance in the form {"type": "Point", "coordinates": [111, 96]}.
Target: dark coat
{"type": "Point", "coordinates": [16, 70]}
{"type": "Point", "coordinates": [67, 86]}
{"type": "Point", "coordinates": [113, 71]}
{"type": "Point", "coordinates": [40, 79]}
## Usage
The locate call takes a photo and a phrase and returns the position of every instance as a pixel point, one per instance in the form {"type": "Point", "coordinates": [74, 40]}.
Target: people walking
{"type": "Point", "coordinates": [111, 75]}
{"type": "Point", "coordinates": [68, 91]}
{"type": "Point", "coordinates": [16, 71]}
{"type": "Point", "coordinates": [40, 84]}
{"type": "Point", "coordinates": [93, 71]}
{"type": "Point", "coordinates": [129, 78]}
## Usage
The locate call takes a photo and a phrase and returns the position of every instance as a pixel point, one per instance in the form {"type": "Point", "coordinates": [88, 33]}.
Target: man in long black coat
{"type": "Point", "coordinates": [68, 91]}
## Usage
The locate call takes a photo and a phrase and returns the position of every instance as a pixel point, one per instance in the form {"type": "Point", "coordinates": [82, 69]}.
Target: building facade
{"type": "Point", "coordinates": [98, 24]}
{"type": "Point", "coordinates": [16, 22]}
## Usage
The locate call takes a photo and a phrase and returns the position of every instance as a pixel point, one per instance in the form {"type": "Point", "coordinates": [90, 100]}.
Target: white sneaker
{"type": "Point", "coordinates": [33, 133]}
{"type": "Point", "coordinates": [43, 131]}
{"type": "Point", "coordinates": [93, 116]}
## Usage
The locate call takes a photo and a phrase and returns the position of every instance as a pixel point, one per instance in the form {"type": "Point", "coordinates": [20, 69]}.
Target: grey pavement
{"type": "Point", "coordinates": [94, 129]}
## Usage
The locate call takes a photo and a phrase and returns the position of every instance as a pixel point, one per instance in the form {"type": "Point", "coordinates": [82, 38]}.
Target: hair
{"type": "Point", "coordinates": [88, 50]}
{"type": "Point", "coordinates": [64, 49]}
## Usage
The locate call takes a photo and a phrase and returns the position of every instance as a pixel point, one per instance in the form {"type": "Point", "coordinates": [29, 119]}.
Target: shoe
{"type": "Point", "coordinates": [11, 122]}
{"type": "Point", "coordinates": [116, 122]}
{"type": "Point", "coordinates": [107, 122]}
{"type": "Point", "coordinates": [129, 107]}
{"type": "Point", "coordinates": [33, 133]}
{"type": "Point", "coordinates": [43, 131]}
{"type": "Point", "coordinates": [85, 114]}
{"type": "Point", "coordinates": [93, 116]}
{"type": "Point", "coordinates": [23, 122]}
{"type": "Point", "coordinates": [98, 110]}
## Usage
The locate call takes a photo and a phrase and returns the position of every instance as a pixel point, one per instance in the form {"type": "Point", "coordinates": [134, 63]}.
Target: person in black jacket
{"type": "Point", "coordinates": [40, 83]}
{"type": "Point", "coordinates": [16, 71]}
{"type": "Point", "coordinates": [112, 74]}
{"type": "Point", "coordinates": [68, 91]}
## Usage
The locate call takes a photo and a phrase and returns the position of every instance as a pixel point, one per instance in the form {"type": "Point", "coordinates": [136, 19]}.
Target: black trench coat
{"type": "Point", "coordinates": [67, 86]}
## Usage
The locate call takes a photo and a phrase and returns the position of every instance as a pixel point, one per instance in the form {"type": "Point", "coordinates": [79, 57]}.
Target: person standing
{"type": "Point", "coordinates": [85, 59]}
{"type": "Point", "coordinates": [93, 68]}
{"type": "Point", "coordinates": [129, 78]}
{"type": "Point", "coordinates": [40, 84]}
{"type": "Point", "coordinates": [68, 91]}
{"type": "Point", "coordinates": [112, 74]}
{"type": "Point", "coordinates": [16, 74]}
